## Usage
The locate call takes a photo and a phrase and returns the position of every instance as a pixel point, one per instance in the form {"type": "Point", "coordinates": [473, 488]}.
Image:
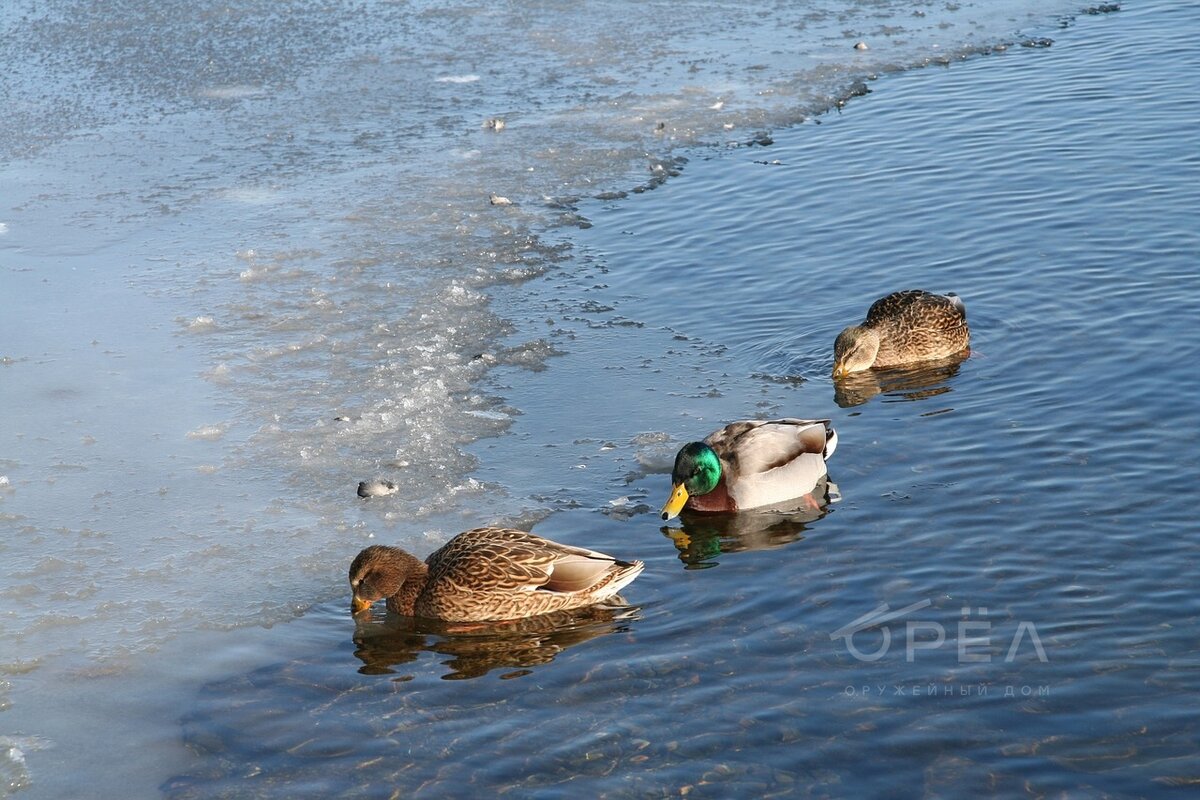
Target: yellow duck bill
{"type": "Point", "coordinates": [674, 505]}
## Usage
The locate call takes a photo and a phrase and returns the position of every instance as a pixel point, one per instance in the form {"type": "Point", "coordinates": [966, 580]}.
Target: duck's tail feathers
{"type": "Point", "coordinates": [831, 442]}
{"type": "Point", "coordinates": [627, 571]}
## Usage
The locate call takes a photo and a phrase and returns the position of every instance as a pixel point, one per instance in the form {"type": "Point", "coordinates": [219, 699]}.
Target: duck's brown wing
{"type": "Point", "coordinates": [915, 308]}
{"type": "Point", "coordinates": [506, 560]}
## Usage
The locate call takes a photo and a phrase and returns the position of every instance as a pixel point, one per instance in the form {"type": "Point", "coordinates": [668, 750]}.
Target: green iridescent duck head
{"type": "Point", "coordinates": [697, 471]}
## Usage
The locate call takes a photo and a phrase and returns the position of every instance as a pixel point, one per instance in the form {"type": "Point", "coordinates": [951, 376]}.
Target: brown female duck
{"type": "Point", "coordinates": [487, 574]}
{"type": "Point", "coordinates": [902, 328]}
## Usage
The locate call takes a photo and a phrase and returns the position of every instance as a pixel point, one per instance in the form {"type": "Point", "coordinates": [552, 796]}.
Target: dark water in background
{"type": "Point", "coordinates": [1044, 487]}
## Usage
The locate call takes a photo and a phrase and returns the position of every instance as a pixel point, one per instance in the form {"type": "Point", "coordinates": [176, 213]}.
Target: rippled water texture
{"type": "Point", "coordinates": [1033, 504]}
{"type": "Point", "coordinates": [252, 254]}
{"type": "Point", "coordinates": [249, 257]}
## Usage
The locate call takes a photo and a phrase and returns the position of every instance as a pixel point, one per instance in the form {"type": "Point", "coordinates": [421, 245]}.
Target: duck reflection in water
{"type": "Point", "coordinates": [383, 642]}
{"type": "Point", "coordinates": [917, 382]}
{"type": "Point", "coordinates": [702, 538]}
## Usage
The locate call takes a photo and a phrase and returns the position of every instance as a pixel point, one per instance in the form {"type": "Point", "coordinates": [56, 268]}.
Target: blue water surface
{"type": "Point", "coordinates": [1026, 514]}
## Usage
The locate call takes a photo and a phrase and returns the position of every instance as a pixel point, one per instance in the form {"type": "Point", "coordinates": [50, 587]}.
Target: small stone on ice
{"type": "Point", "coordinates": [376, 488]}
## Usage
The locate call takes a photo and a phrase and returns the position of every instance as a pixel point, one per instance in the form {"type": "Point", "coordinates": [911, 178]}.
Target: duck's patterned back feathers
{"type": "Point", "coordinates": [915, 325]}
{"type": "Point", "coordinates": [752, 447]}
{"type": "Point", "coordinates": [503, 573]}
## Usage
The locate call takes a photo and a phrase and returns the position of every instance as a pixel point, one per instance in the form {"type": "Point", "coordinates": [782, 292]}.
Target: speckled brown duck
{"type": "Point", "coordinates": [903, 328]}
{"type": "Point", "coordinates": [487, 574]}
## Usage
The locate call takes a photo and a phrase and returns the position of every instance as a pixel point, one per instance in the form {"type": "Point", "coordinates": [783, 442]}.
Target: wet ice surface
{"type": "Point", "coordinates": [255, 262]}
{"type": "Point", "coordinates": [291, 205]}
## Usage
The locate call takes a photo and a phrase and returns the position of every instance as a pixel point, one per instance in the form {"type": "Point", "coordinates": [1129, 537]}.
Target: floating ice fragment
{"type": "Point", "coordinates": [201, 323]}
{"type": "Point", "coordinates": [499, 416]}
{"type": "Point", "coordinates": [500, 200]}
{"type": "Point", "coordinates": [251, 195]}
{"type": "Point", "coordinates": [495, 124]}
{"type": "Point", "coordinates": [457, 79]}
{"type": "Point", "coordinates": [234, 92]}
{"type": "Point", "coordinates": [3, 228]}
{"type": "Point", "coordinates": [14, 774]}
{"type": "Point", "coordinates": [626, 512]}
{"type": "Point", "coordinates": [861, 46]}
{"type": "Point", "coordinates": [218, 374]}
{"type": "Point", "coordinates": [208, 433]}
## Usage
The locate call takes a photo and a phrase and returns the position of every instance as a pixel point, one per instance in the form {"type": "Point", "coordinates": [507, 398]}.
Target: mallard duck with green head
{"type": "Point", "coordinates": [903, 328]}
{"type": "Point", "coordinates": [750, 464]}
{"type": "Point", "coordinates": [487, 574]}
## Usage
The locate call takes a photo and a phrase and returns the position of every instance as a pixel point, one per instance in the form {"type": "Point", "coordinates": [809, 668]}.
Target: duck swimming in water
{"type": "Point", "coordinates": [487, 574]}
{"type": "Point", "coordinates": [750, 464]}
{"type": "Point", "coordinates": [903, 328]}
